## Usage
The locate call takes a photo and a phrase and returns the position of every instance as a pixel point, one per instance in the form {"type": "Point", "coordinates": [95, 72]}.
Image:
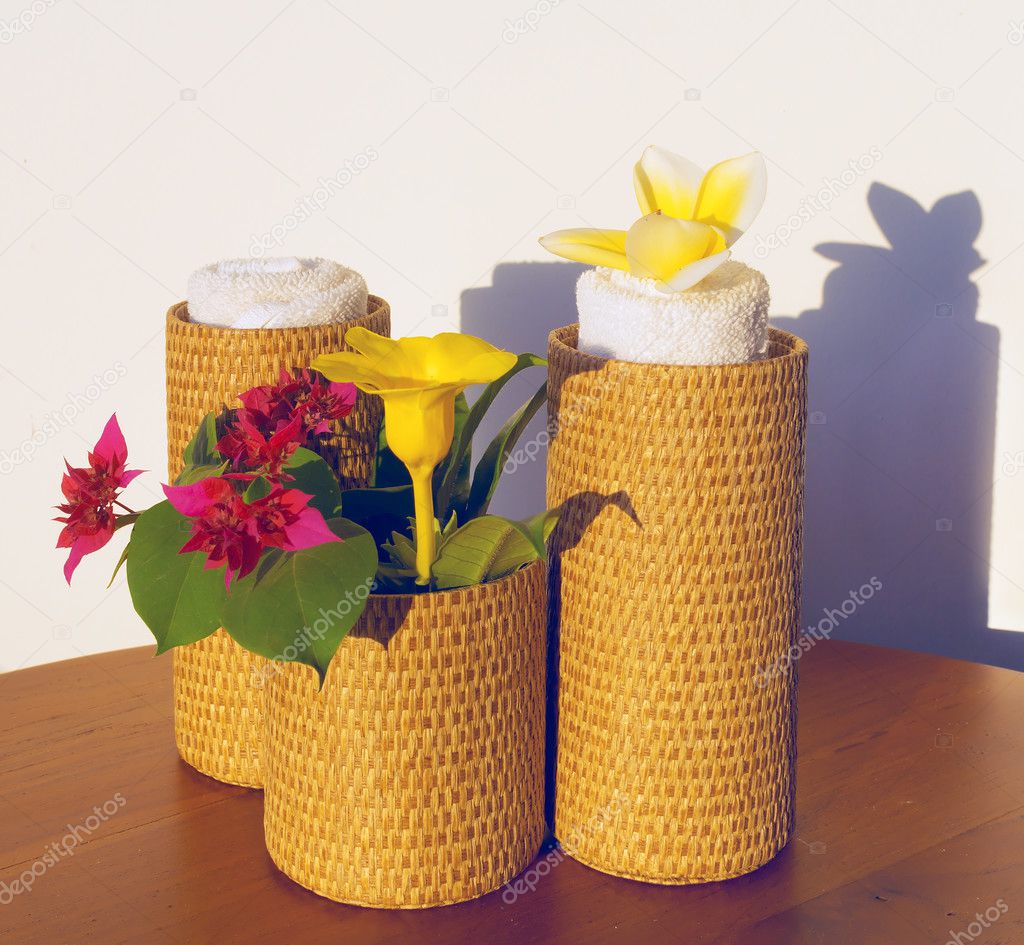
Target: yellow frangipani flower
{"type": "Point", "coordinates": [418, 379]}
{"type": "Point", "coordinates": [690, 219]}
{"type": "Point", "coordinates": [590, 246]}
{"type": "Point", "coordinates": [727, 197]}
{"type": "Point", "coordinates": [675, 253]}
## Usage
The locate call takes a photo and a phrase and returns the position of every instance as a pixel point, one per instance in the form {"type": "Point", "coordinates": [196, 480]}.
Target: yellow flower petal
{"type": "Point", "coordinates": [448, 358]}
{"type": "Point", "coordinates": [667, 182]}
{"type": "Point", "coordinates": [731, 195]}
{"type": "Point", "coordinates": [464, 359]}
{"type": "Point", "coordinates": [659, 246]}
{"type": "Point", "coordinates": [690, 275]}
{"type": "Point", "coordinates": [418, 379]}
{"type": "Point", "coordinates": [414, 376]}
{"type": "Point", "coordinates": [419, 424]}
{"type": "Point", "coordinates": [348, 366]}
{"type": "Point", "coordinates": [591, 246]}
{"type": "Point", "coordinates": [393, 357]}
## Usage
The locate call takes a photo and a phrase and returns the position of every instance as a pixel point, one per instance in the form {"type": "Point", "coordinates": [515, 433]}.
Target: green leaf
{"type": "Point", "coordinates": [538, 529]}
{"type": "Point", "coordinates": [459, 462]}
{"type": "Point", "coordinates": [316, 478]}
{"type": "Point", "coordinates": [120, 563]}
{"type": "Point", "coordinates": [492, 463]}
{"type": "Point", "coordinates": [178, 599]}
{"type": "Point", "coordinates": [484, 549]}
{"type": "Point", "coordinates": [191, 474]}
{"type": "Point", "coordinates": [401, 551]}
{"type": "Point", "coordinates": [202, 448]}
{"type": "Point", "coordinates": [380, 511]}
{"type": "Point", "coordinates": [258, 489]}
{"type": "Point", "coordinates": [122, 522]}
{"type": "Point", "coordinates": [463, 440]}
{"type": "Point", "coordinates": [453, 523]}
{"type": "Point", "coordinates": [396, 580]}
{"type": "Point", "coordinates": [389, 470]}
{"type": "Point", "coordinates": [299, 606]}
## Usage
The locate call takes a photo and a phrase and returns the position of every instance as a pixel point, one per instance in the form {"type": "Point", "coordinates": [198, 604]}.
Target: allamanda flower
{"type": "Point", "coordinates": [690, 219]}
{"type": "Point", "coordinates": [418, 379]}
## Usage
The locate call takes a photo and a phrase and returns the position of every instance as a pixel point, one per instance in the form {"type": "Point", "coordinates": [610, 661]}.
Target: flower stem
{"type": "Point", "coordinates": [125, 507]}
{"type": "Point", "coordinates": [426, 549]}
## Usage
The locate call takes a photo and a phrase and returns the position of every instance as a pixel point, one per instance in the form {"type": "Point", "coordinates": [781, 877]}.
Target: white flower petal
{"type": "Point", "coordinates": [667, 182]}
{"type": "Point", "coordinates": [690, 275]}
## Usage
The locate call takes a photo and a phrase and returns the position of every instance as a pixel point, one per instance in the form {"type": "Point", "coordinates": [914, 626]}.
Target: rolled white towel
{"type": "Point", "coordinates": [721, 320]}
{"type": "Point", "coordinates": [275, 293]}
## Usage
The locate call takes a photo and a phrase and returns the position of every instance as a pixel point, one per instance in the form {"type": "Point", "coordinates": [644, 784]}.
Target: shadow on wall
{"type": "Point", "coordinates": [517, 311]}
{"type": "Point", "coordinates": [901, 436]}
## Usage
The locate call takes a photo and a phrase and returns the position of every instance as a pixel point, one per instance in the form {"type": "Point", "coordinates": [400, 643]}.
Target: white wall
{"type": "Point", "coordinates": [142, 140]}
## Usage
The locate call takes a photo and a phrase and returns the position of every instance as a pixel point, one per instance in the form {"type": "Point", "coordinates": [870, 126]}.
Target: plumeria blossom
{"type": "Point", "coordinates": [234, 533]}
{"type": "Point", "coordinates": [418, 379]}
{"type": "Point", "coordinates": [307, 395]}
{"type": "Point", "coordinates": [91, 492]}
{"type": "Point", "coordinates": [690, 219]}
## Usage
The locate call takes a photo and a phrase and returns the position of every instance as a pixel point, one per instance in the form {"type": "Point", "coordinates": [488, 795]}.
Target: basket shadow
{"type": "Point", "coordinates": [901, 438]}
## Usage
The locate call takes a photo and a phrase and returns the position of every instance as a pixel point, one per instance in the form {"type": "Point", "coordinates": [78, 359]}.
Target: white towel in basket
{"type": "Point", "coordinates": [721, 320]}
{"type": "Point", "coordinates": [275, 293]}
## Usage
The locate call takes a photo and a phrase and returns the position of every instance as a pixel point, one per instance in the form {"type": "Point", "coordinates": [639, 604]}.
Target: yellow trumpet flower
{"type": "Point", "coordinates": [690, 219]}
{"type": "Point", "coordinates": [418, 379]}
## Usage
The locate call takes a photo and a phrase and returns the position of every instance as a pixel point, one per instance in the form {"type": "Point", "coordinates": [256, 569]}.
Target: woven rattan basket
{"type": "Point", "coordinates": [416, 777]}
{"type": "Point", "coordinates": [676, 573]}
{"type": "Point", "coordinates": [218, 694]}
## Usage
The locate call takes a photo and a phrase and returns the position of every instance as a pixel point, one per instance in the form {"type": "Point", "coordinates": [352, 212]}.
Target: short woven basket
{"type": "Point", "coordinates": [676, 574]}
{"type": "Point", "coordinates": [218, 695]}
{"type": "Point", "coordinates": [416, 777]}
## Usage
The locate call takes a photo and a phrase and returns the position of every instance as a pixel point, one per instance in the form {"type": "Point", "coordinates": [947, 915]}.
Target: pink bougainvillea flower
{"type": "Point", "coordinates": [234, 533]}
{"type": "Point", "coordinates": [320, 401]}
{"type": "Point", "coordinates": [266, 406]}
{"type": "Point", "coordinates": [254, 452]}
{"type": "Point", "coordinates": [284, 520]}
{"type": "Point", "coordinates": [90, 493]}
{"type": "Point", "coordinates": [307, 394]}
{"type": "Point", "coordinates": [222, 525]}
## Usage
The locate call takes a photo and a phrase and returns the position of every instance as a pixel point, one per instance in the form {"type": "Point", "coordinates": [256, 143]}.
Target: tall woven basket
{"type": "Point", "coordinates": [676, 573]}
{"type": "Point", "coordinates": [415, 778]}
{"type": "Point", "coordinates": [218, 686]}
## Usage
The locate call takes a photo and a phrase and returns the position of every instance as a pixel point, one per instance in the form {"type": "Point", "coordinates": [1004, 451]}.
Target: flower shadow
{"type": "Point", "coordinates": [901, 436]}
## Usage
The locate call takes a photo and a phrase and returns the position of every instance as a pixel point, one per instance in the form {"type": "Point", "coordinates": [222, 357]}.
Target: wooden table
{"type": "Point", "coordinates": [911, 821]}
